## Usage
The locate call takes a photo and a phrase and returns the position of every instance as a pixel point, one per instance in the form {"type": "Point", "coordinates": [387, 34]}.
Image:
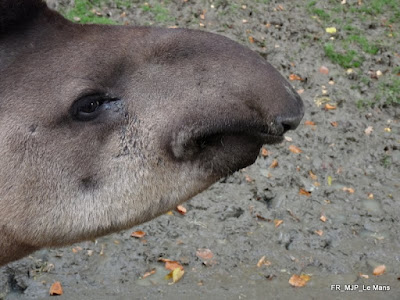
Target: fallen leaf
{"type": "Point", "coordinates": [274, 164]}
{"type": "Point", "coordinates": [329, 180]}
{"type": "Point", "coordinates": [172, 265]}
{"type": "Point", "coordinates": [138, 234]}
{"type": "Point", "coordinates": [324, 70]}
{"type": "Point", "coordinates": [304, 192]}
{"type": "Point", "coordinates": [312, 175]}
{"type": "Point", "coordinates": [248, 178]}
{"type": "Point", "coordinates": [147, 274]}
{"type": "Point", "coordinates": [370, 196]}
{"type": "Point", "coordinates": [264, 152]}
{"type": "Point", "coordinates": [204, 254]}
{"type": "Point", "coordinates": [310, 123]}
{"type": "Point", "coordinates": [334, 124]}
{"type": "Point", "coordinates": [263, 262]}
{"type": "Point", "coordinates": [177, 274]}
{"type": "Point", "coordinates": [251, 39]}
{"type": "Point", "coordinates": [329, 107]}
{"type": "Point", "coordinates": [293, 77]}
{"type": "Point", "coordinates": [368, 130]}
{"type": "Point", "coordinates": [181, 209]}
{"type": "Point", "coordinates": [323, 218]}
{"type": "Point", "coordinates": [319, 232]}
{"type": "Point", "coordinates": [331, 30]}
{"type": "Point", "coordinates": [363, 275]}
{"type": "Point", "coordinates": [349, 190]}
{"type": "Point", "coordinates": [299, 281]}
{"type": "Point", "coordinates": [288, 138]}
{"type": "Point", "coordinates": [387, 129]}
{"type": "Point", "coordinates": [77, 249]}
{"type": "Point", "coordinates": [379, 270]}
{"type": "Point", "coordinates": [56, 289]}
{"type": "Point", "coordinates": [300, 91]}
{"type": "Point", "coordinates": [295, 149]}
{"type": "Point", "coordinates": [170, 213]}
{"type": "Point", "coordinates": [277, 222]}
{"type": "Point", "coordinates": [164, 259]}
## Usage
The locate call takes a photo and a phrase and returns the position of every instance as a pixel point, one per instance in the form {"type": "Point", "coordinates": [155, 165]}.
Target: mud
{"type": "Point", "coordinates": [355, 184]}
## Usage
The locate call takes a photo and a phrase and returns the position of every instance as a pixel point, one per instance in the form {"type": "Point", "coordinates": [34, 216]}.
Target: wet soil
{"type": "Point", "coordinates": [349, 175]}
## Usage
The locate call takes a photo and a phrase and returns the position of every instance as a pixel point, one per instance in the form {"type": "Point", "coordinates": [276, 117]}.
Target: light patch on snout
{"type": "Point", "coordinates": [290, 90]}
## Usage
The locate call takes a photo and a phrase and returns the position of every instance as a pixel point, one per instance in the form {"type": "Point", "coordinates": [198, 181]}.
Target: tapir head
{"type": "Point", "coordinates": [105, 127]}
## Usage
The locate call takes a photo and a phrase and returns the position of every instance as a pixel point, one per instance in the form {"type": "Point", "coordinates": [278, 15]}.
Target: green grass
{"type": "Point", "coordinates": [389, 92]}
{"type": "Point", "coordinates": [346, 59]}
{"type": "Point", "coordinates": [82, 10]}
{"type": "Point", "coordinates": [161, 14]}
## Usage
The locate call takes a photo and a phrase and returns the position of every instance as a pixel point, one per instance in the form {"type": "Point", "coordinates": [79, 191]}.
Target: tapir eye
{"type": "Point", "coordinates": [88, 107]}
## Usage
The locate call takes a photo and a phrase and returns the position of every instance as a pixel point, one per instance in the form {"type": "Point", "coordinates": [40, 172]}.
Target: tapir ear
{"type": "Point", "coordinates": [15, 13]}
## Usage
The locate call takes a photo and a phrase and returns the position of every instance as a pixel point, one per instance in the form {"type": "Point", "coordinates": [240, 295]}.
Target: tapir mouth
{"type": "Point", "coordinates": [224, 150]}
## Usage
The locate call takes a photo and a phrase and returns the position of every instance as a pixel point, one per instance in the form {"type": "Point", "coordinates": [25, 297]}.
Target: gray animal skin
{"type": "Point", "coordinates": [106, 127]}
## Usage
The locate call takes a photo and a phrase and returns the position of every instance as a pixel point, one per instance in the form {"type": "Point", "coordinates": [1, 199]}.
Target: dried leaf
{"type": "Point", "coordinates": [379, 270]}
{"type": "Point", "coordinates": [277, 222]}
{"type": "Point", "coordinates": [248, 178]}
{"type": "Point", "coordinates": [172, 265]}
{"type": "Point", "coordinates": [288, 138]}
{"type": "Point", "coordinates": [370, 196]}
{"type": "Point", "coordinates": [363, 275]}
{"type": "Point", "coordinates": [323, 218]}
{"type": "Point", "coordinates": [299, 281]}
{"type": "Point", "coordinates": [149, 273]}
{"type": "Point", "coordinates": [264, 152]}
{"type": "Point", "coordinates": [319, 232]}
{"type": "Point", "coordinates": [369, 130]}
{"type": "Point", "coordinates": [304, 192]}
{"type": "Point", "coordinates": [138, 234]}
{"type": "Point", "coordinates": [263, 261]}
{"type": "Point", "coordinates": [251, 39]}
{"type": "Point", "coordinates": [334, 124]}
{"type": "Point", "coordinates": [295, 149]}
{"type": "Point", "coordinates": [204, 254]}
{"type": "Point", "coordinates": [349, 190]}
{"type": "Point", "coordinates": [329, 180]}
{"type": "Point", "coordinates": [170, 213]}
{"type": "Point", "coordinates": [293, 77]}
{"type": "Point", "coordinates": [301, 91]}
{"type": "Point", "coordinates": [329, 106]}
{"type": "Point", "coordinates": [312, 175]}
{"type": "Point", "coordinates": [77, 249]}
{"type": "Point", "coordinates": [56, 289]}
{"type": "Point", "coordinates": [387, 129]}
{"type": "Point", "coordinates": [324, 70]}
{"type": "Point", "coordinates": [310, 123]}
{"type": "Point", "coordinates": [274, 164]}
{"type": "Point", "coordinates": [181, 209]}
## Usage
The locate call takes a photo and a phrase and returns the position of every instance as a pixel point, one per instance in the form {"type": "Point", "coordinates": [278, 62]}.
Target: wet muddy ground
{"type": "Point", "coordinates": [348, 172]}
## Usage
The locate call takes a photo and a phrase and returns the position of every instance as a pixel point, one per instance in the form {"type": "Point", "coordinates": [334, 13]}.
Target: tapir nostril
{"type": "Point", "coordinates": [289, 123]}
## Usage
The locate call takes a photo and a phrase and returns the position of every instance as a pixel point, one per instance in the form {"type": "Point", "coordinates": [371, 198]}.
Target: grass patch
{"type": "Point", "coordinates": [82, 10]}
{"type": "Point", "coordinates": [365, 45]}
{"type": "Point", "coordinates": [320, 13]}
{"type": "Point", "coordinates": [346, 59]}
{"type": "Point", "coordinates": [161, 14]}
{"type": "Point", "coordinates": [389, 92]}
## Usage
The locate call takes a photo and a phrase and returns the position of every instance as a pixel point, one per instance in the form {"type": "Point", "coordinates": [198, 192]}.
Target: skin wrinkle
{"type": "Point", "coordinates": [64, 180]}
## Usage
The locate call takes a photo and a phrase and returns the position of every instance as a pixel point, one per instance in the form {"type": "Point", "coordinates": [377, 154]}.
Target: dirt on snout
{"type": "Point", "coordinates": [323, 205]}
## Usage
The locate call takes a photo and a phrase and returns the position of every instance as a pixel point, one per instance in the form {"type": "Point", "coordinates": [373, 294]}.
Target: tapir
{"type": "Point", "coordinates": [106, 127]}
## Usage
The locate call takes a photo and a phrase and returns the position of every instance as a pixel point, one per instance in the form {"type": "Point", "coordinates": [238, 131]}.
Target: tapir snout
{"type": "Point", "coordinates": [106, 127]}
